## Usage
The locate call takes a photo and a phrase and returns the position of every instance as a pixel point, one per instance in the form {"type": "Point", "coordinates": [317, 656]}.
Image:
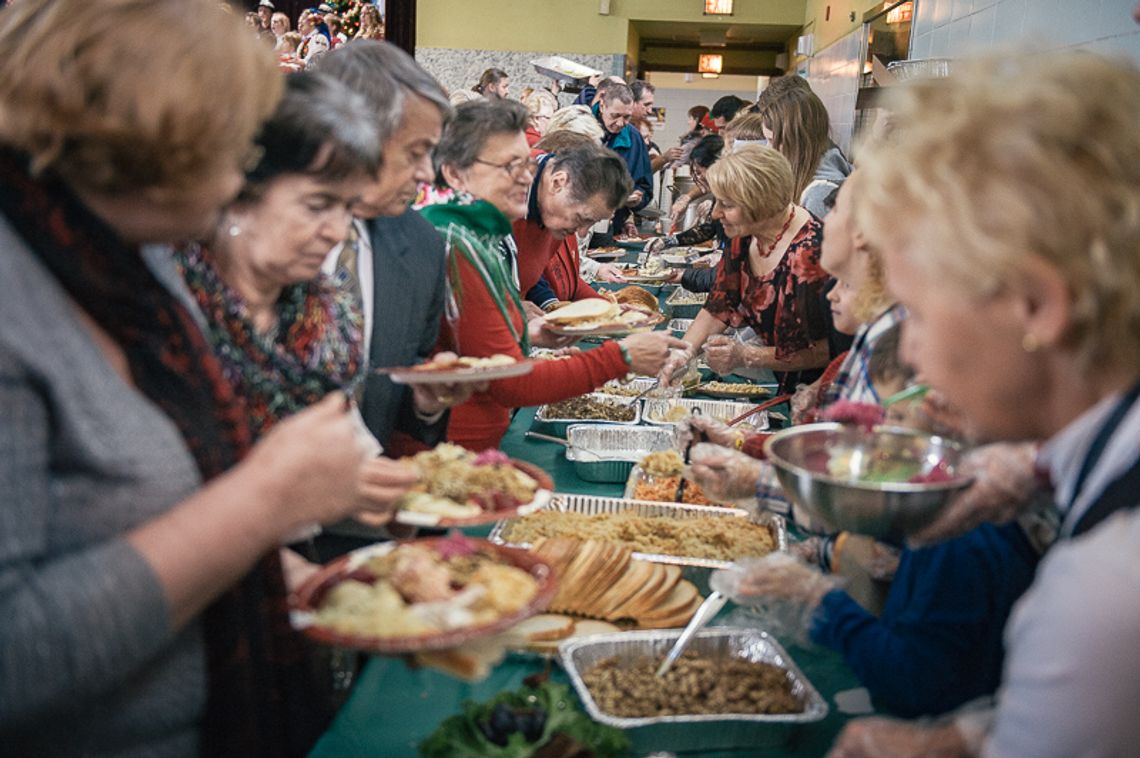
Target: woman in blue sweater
{"type": "Point", "coordinates": [937, 643]}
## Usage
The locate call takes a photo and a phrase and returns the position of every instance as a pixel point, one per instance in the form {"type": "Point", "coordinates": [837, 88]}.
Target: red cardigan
{"type": "Point", "coordinates": [481, 422]}
{"type": "Point", "coordinates": [536, 247]}
{"type": "Point", "coordinates": [562, 273]}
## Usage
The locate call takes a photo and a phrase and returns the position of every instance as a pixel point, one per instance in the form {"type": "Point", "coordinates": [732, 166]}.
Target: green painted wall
{"type": "Point", "coordinates": [572, 25]}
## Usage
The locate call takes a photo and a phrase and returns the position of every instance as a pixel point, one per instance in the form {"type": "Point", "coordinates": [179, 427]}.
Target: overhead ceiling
{"type": "Point", "coordinates": [734, 36]}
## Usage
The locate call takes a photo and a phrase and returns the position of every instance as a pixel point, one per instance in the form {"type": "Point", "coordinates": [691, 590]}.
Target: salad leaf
{"type": "Point", "coordinates": [461, 736]}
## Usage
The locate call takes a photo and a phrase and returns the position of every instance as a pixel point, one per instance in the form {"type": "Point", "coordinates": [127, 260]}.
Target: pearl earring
{"type": "Point", "coordinates": [1030, 343]}
{"type": "Point", "coordinates": [234, 230]}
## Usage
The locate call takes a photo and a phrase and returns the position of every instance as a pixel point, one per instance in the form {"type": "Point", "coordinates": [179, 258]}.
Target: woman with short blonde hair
{"type": "Point", "coordinates": [769, 279]}
{"type": "Point", "coordinates": [1007, 208]}
{"type": "Point", "coordinates": [577, 119]}
{"type": "Point", "coordinates": [540, 106]}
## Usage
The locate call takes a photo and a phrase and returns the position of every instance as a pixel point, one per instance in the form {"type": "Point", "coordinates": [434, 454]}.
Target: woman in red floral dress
{"type": "Point", "coordinates": [769, 279]}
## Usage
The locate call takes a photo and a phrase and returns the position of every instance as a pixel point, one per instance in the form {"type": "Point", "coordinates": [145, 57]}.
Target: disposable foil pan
{"type": "Point", "coordinates": [635, 385]}
{"type": "Point", "coordinates": [592, 504]}
{"type": "Point", "coordinates": [558, 426]}
{"type": "Point", "coordinates": [723, 410]}
{"type": "Point", "coordinates": [680, 303]}
{"type": "Point", "coordinates": [608, 452]}
{"type": "Point", "coordinates": [684, 733]}
{"type": "Point", "coordinates": [680, 325]}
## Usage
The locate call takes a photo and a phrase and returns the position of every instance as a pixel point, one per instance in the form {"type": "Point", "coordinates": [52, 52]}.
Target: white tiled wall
{"type": "Point", "coordinates": [951, 28]}
{"type": "Point", "coordinates": [834, 76]}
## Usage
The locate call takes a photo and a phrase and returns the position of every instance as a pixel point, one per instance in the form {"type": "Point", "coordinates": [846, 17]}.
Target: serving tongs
{"type": "Point", "coordinates": [679, 497]}
{"type": "Point", "coordinates": [761, 407]}
{"type": "Point", "coordinates": [564, 443]}
{"type": "Point", "coordinates": [705, 613]}
{"type": "Point", "coordinates": [630, 401]}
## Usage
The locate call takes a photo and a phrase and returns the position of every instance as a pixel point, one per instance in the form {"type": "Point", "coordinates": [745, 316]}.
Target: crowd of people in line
{"type": "Point", "coordinates": [202, 264]}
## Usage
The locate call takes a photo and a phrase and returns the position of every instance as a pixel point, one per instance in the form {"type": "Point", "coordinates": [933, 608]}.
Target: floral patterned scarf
{"type": "Point", "coordinates": [315, 347]}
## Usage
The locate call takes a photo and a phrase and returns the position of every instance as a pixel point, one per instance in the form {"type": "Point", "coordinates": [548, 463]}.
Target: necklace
{"type": "Point", "coordinates": [772, 248]}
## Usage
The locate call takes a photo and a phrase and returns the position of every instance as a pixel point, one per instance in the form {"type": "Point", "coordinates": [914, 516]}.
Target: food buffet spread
{"type": "Point", "coordinates": [618, 544]}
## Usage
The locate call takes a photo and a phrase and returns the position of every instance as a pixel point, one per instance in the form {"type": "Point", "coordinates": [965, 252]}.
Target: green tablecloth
{"type": "Point", "coordinates": [393, 707]}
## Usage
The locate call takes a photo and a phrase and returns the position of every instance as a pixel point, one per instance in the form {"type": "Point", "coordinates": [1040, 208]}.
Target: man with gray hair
{"type": "Point", "coordinates": [614, 112]}
{"type": "Point", "coordinates": [402, 282]}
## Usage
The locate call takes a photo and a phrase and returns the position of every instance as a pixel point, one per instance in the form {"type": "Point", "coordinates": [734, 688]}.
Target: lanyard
{"type": "Point", "coordinates": [1100, 442]}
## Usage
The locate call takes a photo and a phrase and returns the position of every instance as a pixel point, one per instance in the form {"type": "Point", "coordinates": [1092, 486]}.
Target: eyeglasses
{"type": "Point", "coordinates": [515, 168]}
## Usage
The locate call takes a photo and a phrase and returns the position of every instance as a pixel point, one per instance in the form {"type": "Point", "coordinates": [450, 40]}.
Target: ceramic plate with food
{"type": "Point", "coordinates": [597, 316]}
{"type": "Point", "coordinates": [609, 253]}
{"type": "Point", "coordinates": [459, 370]}
{"type": "Point", "coordinates": [426, 594]}
{"type": "Point", "coordinates": [460, 488]}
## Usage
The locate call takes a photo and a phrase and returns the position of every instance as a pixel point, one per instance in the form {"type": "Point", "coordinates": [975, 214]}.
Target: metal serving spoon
{"type": "Point", "coordinates": [709, 608]}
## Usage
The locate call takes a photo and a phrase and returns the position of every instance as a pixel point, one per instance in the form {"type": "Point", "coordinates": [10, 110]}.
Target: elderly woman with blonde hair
{"type": "Point", "coordinates": [540, 107]}
{"type": "Point", "coordinates": [769, 279]}
{"type": "Point", "coordinates": [577, 119]}
{"type": "Point", "coordinates": [1007, 207]}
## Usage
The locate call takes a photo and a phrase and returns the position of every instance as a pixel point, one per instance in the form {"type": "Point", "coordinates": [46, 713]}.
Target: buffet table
{"type": "Point", "coordinates": [392, 707]}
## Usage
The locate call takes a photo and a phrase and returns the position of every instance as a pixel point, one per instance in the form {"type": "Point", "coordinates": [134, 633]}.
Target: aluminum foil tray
{"type": "Point", "coordinates": [680, 325]}
{"type": "Point", "coordinates": [677, 733]}
{"type": "Point", "coordinates": [559, 425]}
{"type": "Point", "coordinates": [724, 410]}
{"type": "Point", "coordinates": [686, 309]}
{"type": "Point", "coordinates": [637, 384]}
{"type": "Point", "coordinates": [592, 504]}
{"type": "Point", "coordinates": [608, 452]}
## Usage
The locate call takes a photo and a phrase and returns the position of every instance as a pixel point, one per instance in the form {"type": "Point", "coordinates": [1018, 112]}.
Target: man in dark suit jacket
{"type": "Point", "coordinates": [401, 258]}
{"type": "Point", "coordinates": [409, 279]}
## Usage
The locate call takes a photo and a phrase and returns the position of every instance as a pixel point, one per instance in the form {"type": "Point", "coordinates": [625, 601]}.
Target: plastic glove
{"type": "Point", "coordinates": [723, 354]}
{"type": "Point", "coordinates": [804, 402]}
{"type": "Point", "coordinates": [783, 590]}
{"type": "Point", "coordinates": [660, 243]}
{"type": "Point", "coordinates": [1004, 484]}
{"type": "Point", "coordinates": [807, 550]}
{"type": "Point", "coordinates": [676, 366]}
{"type": "Point", "coordinates": [715, 431]}
{"type": "Point", "coordinates": [878, 737]}
{"type": "Point", "coordinates": [608, 272]}
{"type": "Point", "coordinates": [722, 473]}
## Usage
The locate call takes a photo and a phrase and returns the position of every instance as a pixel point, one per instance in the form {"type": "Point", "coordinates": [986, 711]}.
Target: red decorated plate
{"type": "Point", "coordinates": [306, 602]}
{"type": "Point", "coordinates": [427, 373]}
{"type": "Point", "coordinates": [541, 499]}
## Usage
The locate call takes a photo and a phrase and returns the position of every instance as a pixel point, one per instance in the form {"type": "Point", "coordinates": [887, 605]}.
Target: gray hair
{"type": "Point", "coordinates": [593, 169]}
{"type": "Point", "coordinates": [385, 75]}
{"type": "Point", "coordinates": [474, 122]}
{"type": "Point", "coordinates": [321, 129]}
{"type": "Point", "coordinates": [617, 91]}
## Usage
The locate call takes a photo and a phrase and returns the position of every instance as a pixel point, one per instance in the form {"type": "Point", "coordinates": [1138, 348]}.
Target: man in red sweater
{"type": "Point", "coordinates": [572, 190]}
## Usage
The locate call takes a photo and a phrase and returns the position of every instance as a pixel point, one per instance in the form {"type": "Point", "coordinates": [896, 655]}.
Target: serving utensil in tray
{"type": "Point", "coordinates": [677, 733]}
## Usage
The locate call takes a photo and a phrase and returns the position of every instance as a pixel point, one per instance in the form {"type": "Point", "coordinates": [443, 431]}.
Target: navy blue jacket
{"type": "Point", "coordinates": [938, 642]}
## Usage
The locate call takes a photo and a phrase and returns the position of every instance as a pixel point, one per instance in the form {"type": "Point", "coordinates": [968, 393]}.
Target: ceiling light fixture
{"type": "Point", "coordinates": [710, 64]}
{"type": "Point", "coordinates": [718, 7]}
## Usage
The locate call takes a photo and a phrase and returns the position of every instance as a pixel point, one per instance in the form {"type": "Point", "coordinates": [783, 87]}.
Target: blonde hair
{"type": "Point", "coordinates": [537, 101]}
{"type": "Point", "coordinates": [757, 179]}
{"type": "Point", "coordinates": [749, 127]}
{"type": "Point", "coordinates": [872, 296]}
{"type": "Point", "coordinates": [1015, 158]}
{"type": "Point", "coordinates": [127, 95]}
{"type": "Point", "coordinates": [578, 119]}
